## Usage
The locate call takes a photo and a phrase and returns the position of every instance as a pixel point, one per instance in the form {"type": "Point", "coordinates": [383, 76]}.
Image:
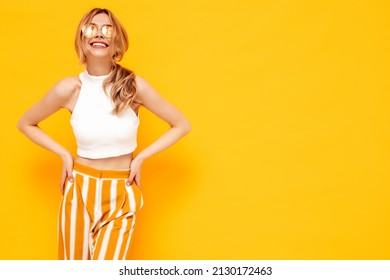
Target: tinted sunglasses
{"type": "Point", "coordinates": [91, 30]}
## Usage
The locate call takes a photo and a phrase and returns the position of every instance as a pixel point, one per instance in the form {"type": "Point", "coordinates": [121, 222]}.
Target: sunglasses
{"type": "Point", "coordinates": [91, 30]}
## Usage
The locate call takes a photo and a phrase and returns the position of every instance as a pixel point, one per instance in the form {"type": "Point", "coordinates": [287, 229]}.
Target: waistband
{"type": "Point", "coordinates": [100, 173]}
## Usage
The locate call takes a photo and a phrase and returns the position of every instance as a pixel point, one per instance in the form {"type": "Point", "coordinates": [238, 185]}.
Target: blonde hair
{"type": "Point", "coordinates": [123, 88]}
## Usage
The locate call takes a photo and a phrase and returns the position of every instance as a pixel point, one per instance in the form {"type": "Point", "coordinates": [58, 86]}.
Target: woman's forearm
{"type": "Point", "coordinates": [38, 136]}
{"type": "Point", "coordinates": [164, 141]}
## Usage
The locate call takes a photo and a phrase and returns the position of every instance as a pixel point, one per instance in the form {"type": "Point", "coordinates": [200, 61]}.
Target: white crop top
{"type": "Point", "coordinates": [100, 133]}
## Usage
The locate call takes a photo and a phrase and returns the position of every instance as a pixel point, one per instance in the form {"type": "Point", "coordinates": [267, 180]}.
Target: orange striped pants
{"type": "Point", "coordinates": [97, 215]}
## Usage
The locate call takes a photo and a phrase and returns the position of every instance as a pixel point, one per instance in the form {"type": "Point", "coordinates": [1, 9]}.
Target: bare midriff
{"type": "Point", "coordinates": [111, 163]}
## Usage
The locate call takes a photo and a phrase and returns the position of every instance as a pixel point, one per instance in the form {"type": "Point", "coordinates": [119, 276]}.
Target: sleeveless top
{"type": "Point", "coordinates": [100, 133]}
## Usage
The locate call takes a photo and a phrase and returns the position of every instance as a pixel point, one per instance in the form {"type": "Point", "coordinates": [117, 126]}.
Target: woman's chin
{"type": "Point", "coordinates": [98, 54]}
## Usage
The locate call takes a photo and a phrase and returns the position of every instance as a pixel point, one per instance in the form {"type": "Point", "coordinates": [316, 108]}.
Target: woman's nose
{"type": "Point", "coordinates": [99, 33]}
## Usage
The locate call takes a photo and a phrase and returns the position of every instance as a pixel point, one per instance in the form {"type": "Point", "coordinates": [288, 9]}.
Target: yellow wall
{"type": "Point", "coordinates": [289, 155]}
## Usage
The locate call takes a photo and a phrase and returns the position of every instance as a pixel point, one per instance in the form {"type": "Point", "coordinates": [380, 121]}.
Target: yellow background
{"type": "Point", "coordinates": [289, 102]}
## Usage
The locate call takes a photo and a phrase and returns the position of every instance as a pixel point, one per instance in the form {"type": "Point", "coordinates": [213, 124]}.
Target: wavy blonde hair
{"type": "Point", "coordinates": [123, 88]}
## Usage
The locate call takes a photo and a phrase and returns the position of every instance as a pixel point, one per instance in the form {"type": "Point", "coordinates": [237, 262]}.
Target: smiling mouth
{"type": "Point", "coordinates": [99, 44]}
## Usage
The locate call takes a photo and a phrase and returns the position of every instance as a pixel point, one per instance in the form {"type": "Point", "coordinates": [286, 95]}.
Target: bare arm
{"type": "Point", "coordinates": [151, 100]}
{"type": "Point", "coordinates": [57, 98]}
{"type": "Point", "coordinates": [148, 97]}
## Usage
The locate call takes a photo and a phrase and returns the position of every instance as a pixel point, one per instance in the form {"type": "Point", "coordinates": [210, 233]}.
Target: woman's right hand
{"type": "Point", "coordinates": [67, 168]}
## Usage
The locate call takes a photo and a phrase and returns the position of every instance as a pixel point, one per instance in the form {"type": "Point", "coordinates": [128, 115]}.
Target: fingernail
{"type": "Point", "coordinates": [127, 183]}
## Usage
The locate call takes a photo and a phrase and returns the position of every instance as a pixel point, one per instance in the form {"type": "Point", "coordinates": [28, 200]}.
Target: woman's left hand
{"type": "Point", "coordinates": [135, 172]}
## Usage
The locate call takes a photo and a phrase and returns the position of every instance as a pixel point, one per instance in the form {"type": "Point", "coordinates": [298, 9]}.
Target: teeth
{"type": "Point", "coordinates": [98, 44]}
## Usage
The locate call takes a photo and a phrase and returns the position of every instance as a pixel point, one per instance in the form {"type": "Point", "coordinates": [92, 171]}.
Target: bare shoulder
{"type": "Point", "coordinates": [145, 92]}
{"type": "Point", "coordinates": [141, 83]}
{"type": "Point", "coordinates": [66, 87]}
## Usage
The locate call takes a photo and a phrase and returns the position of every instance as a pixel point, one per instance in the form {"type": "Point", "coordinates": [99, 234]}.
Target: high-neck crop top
{"type": "Point", "coordinates": [100, 133]}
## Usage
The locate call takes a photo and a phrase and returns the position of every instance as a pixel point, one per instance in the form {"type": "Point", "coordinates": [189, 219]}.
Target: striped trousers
{"type": "Point", "coordinates": [97, 215]}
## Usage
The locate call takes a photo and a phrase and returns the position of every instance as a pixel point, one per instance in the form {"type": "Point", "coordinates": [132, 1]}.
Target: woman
{"type": "Point", "coordinates": [101, 185]}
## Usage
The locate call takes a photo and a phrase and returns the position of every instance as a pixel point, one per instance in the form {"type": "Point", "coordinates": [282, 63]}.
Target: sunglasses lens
{"type": "Point", "coordinates": [107, 31]}
{"type": "Point", "coordinates": [90, 31]}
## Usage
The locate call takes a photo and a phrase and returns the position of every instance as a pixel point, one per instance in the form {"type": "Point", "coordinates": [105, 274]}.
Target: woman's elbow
{"type": "Point", "coordinates": [186, 127]}
{"type": "Point", "coordinates": [20, 125]}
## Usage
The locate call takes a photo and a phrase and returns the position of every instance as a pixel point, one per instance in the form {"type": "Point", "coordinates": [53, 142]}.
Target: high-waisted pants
{"type": "Point", "coordinates": [97, 214]}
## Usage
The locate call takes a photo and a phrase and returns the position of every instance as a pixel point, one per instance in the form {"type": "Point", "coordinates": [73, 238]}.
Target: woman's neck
{"type": "Point", "coordinates": [98, 67]}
